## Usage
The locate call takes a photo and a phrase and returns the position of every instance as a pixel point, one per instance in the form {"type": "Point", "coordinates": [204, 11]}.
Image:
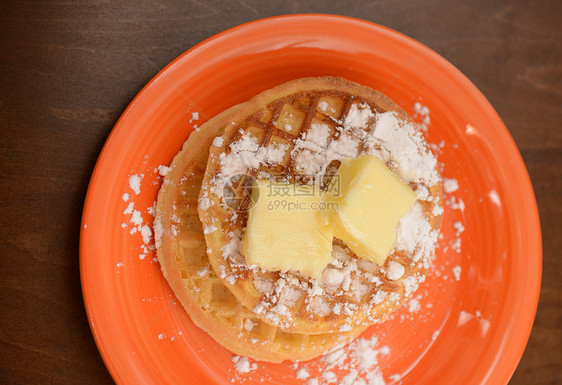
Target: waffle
{"type": "Point", "coordinates": [184, 262]}
{"type": "Point", "coordinates": [299, 132]}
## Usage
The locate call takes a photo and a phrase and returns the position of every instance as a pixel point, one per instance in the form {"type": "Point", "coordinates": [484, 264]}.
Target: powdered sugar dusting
{"type": "Point", "coordinates": [163, 170]}
{"type": "Point", "coordinates": [358, 116]}
{"type": "Point", "coordinates": [401, 143]}
{"type": "Point", "coordinates": [457, 273]}
{"type": "Point", "coordinates": [450, 185]}
{"type": "Point", "coordinates": [422, 113]}
{"type": "Point", "coordinates": [246, 154]}
{"type": "Point", "coordinates": [140, 221]}
{"type": "Point", "coordinates": [194, 117]}
{"type": "Point", "coordinates": [302, 374]}
{"type": "Point", "coordinates": [318, 134]}
{"type": "Point", "coordinates": [141, 225]}
{"type": "Point", "coordinates": [134, 183]}
{"type": "Point", "coordinates": [218, 141]}
{"type": "Point", "coordinates": [415, 234]}
{"type": "Point", "coordinates": [355, 364]}
{"type": "Point", "coordinates": [158, 232]}
{"type": "Point", "coordinates": [243, 364]}
{"type": "Point", "coordinates": [395, 270]}
{"type": "Point", "coordinates": [413, 305]}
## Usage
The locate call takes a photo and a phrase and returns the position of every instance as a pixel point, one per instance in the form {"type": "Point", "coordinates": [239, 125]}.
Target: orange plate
{"type": "Point", "coordinates": [470, 331]}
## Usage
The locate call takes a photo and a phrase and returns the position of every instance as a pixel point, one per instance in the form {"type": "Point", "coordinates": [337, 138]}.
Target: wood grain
{"type": "Point", "coordinates": [69, 68]}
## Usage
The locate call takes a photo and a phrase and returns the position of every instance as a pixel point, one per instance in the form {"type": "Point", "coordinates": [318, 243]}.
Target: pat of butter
{"type": "Point", "coordinates": [288, 229]}
{"type": "Point", "coordinates": [370, 202]}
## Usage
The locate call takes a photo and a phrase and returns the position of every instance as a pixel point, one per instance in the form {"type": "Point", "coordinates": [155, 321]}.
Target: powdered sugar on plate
{"type": "Point", "coordinates": [134, 183]}
{"type": "Point", "coordinates": [421, 113]}
{"type": "Point", "coordinates": [355, 364]}
{"type": "Point", "coordinates": [450, 185]}
{"type": "Point", "coordinates": [139, 221]}
{"type": "Point", "coordinates": [243, 364]}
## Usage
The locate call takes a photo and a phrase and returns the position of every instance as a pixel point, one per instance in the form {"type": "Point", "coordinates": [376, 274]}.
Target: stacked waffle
{"type": "Point", "coordinates": [298, 132]}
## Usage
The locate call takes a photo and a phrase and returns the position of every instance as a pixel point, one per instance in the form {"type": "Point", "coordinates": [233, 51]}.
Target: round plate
{"type": "Point", "coordinates": [470, 330]}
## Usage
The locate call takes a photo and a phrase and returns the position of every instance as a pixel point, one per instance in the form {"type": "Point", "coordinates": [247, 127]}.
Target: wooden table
{"type": "Point", "coordinates": [69, 69]}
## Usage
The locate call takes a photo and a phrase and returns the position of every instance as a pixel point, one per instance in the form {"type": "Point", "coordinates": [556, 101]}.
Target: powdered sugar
{"type": "Point", "coordinates": [210, 229]}
{"type": "Point", "coordinates": [450, 185]}
{"type": "Point", "coordinates": [332, 277]}
{"type": "Point", "coordinates": [358, 117]}
{"type": "Point", "coordinates": [456, 203]}
{"type": "Point", "coordinates": [355, 364]}
{"type": "Point", "coordinates": [139, 225]}
{"type": "Point", "coordinates": [395, 270]}
{"type": "Point", "coordinates": [323, 106]}
{"type": "Point", "coordinates": [129, 208]}
{"type": "Point", "coordinates": [204, 203]}
{"type": "Point", "coordinates": [401, 143]}
{"type": "Point", "coordinates": [246, 154]}
{"type": "Point", "coordinates": [146, 233]}
{"type": "Point", "coordinates": [415, 234]}
{"type": "Point", "coordinates": [243, 364]}
{"type": "Point", "coordinates": [163, 170]}
{"type": "Point", "coordinates": [457, 273]}
{"type": "Point", "coordinates": [329, 377]}
{"type": "Point", "coordinates": [318, 134]}
{"type": "Point", "coordinates": [134, 183]}
{"type": "Point", "coordinates": [218, 141]}
{"type": "Point", "coordinates": [249, 325]}
{"type": "Point", "coordinates": [140, 220]}
{"type": "Point", "coordinates": [314, 154]}
{"type": "Point", "coordinates": [422, 112]}
{"type": "Point", "coordinates": [158, 232]}
{"type": "Point", "coordinates": [302, 374]}
{"type": "Point", "coordinates": [194, 117]}
{"type": "Point", "coordinates": [413, 305]}
{"type": "Point", "coordinates": [459, 228]}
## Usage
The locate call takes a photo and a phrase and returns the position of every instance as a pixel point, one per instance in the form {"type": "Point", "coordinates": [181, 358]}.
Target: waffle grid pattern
{"type": "Point", "coordinates": [287, 120]}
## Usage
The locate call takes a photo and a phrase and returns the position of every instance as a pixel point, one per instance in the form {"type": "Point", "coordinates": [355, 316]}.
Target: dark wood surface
{"type": "Point", "coordinates": [68, 69]}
